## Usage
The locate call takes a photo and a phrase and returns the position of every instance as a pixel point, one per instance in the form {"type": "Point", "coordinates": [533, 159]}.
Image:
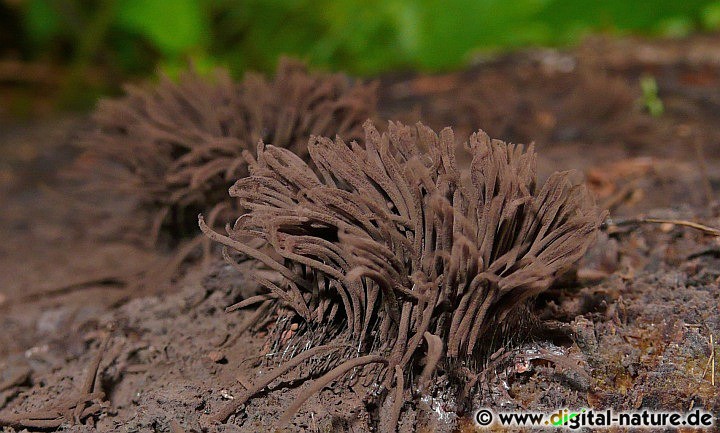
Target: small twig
{"type": "Point", "coordinates": [108, 281]}
{"type": "Point", "coordinates": [714, 252]}
{"type": "Point", "coordinates": [637, 221]}
{"type": "Point", "coordinates": [72, 407]}
{"type": "Point", "coordinates": [30, 423]}
{"type": "Point", "coordinates": [712, 356]}
{"type": "Point", "coordinates": [710, 364]}
{"type": "Point", "coordinates": [702, 165]}
{"type": "Point", "coordinates": [92, 384]}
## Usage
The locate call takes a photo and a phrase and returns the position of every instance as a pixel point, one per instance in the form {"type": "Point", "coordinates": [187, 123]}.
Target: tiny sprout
{"type": "Point", "coordinates": [650, 99]}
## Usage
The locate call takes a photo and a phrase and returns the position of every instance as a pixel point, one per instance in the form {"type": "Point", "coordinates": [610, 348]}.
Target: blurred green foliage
{"type": "Point", "coordinates": [363, 37]}
{"type": "Point", "coordinates": [650, 99]}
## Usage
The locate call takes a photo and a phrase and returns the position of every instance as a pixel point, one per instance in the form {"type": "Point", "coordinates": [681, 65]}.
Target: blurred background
{"type": "Point", "coordinates": [63, 54]}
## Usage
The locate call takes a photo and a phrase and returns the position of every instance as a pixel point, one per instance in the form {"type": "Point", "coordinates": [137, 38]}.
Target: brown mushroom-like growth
{"type": "Point", "coordinates": [176, 147]}
{"type": "Point", "coordinates": [419, 259]}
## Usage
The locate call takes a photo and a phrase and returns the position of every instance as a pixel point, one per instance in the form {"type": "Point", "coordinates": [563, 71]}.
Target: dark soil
{"type": "Point", "coordinates": [638, 319]}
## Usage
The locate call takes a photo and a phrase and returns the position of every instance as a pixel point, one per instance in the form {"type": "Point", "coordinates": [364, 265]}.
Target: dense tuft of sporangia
{"type": "Point", "coordinates": [417, 259]}
{"type": "Point", "coordinates": [177, 146]}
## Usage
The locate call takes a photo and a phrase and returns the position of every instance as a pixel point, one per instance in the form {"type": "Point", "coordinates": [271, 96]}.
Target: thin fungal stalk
{"type": "Point", "coordinates": [422, 259]}
{"type": "Point", "coordinates": [177, 146]}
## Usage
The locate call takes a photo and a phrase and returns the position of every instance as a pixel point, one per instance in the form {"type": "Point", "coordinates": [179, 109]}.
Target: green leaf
{"type": "Point", "coordinates": [173, 26]}
{"type": "Point", "coordinates": [41, 21]}
{"type": "Point", "coordinates": [711, 16]}
{"type": "Point", "coordinates": [675, 26]}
